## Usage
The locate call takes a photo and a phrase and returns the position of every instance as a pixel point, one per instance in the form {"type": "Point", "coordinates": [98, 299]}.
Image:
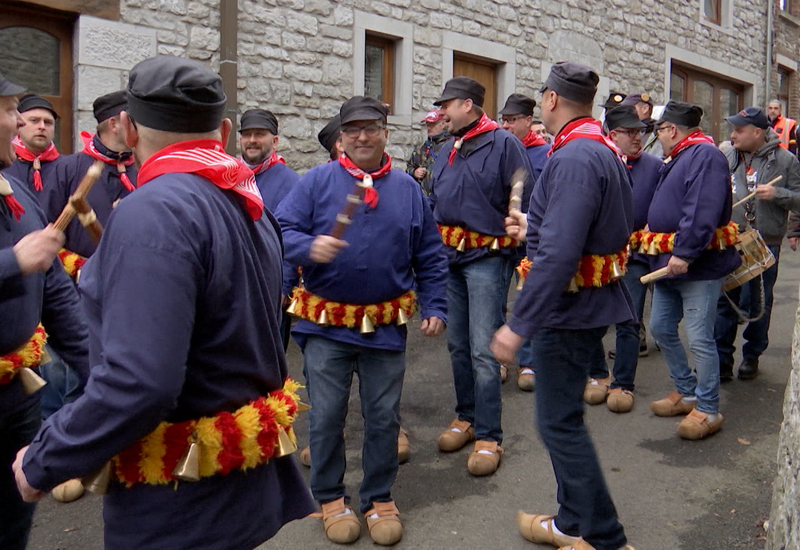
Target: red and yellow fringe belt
{"type": "Point", "coordinates": [594, 270]}
{"type": "Point", "coordinates": [29, 355]}
{"type": "Point", "coordinates": [72, 262]}
{"type": "Point", "coordinates": [243, 439]}
{"type": "Point", "coordinates": [460, 238]}
{"type": "Point", "coordinates": [311, 307]}
{"type": "Point", "coordinates": [647, 242]}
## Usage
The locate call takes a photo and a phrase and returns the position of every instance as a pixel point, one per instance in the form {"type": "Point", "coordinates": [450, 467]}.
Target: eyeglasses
{"type": "Point", "coordinates": [511, 119]}
{"type": "Point", "coordinates": [371, 131]}
{"type": "Point", "coordinates": [660, 128]}
{"type": "Point", "coordinates": [633, 132]}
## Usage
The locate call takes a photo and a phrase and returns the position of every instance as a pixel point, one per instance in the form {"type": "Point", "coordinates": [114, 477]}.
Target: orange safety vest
{"type": "Point", "coordinates": [785, 128]}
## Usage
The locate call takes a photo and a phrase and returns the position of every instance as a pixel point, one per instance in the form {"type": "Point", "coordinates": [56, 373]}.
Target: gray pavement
{"type": "Point", "coordinates": [670, 494]}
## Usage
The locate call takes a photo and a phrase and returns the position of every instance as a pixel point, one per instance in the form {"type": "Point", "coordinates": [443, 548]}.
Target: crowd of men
{"type": "Point", "coordinates": [162, 344]}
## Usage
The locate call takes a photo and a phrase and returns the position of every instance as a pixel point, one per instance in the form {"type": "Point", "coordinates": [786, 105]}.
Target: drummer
{"type": "Point", "coordinates": [755, 159]}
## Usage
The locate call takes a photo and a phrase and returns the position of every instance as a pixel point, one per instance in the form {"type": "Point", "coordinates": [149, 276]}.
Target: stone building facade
{"type": "Point", "coordinates": [302, 58]}
{"type": "Point", "coordinates": [785, 79]}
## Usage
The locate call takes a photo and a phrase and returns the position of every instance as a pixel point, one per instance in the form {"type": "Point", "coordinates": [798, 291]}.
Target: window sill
{"type": "Point", "coordinates": [794, 20]}
{"type": "Point", "coordinates": [716, 26]}
{"type": "Point", "coordinates": [399, 120]}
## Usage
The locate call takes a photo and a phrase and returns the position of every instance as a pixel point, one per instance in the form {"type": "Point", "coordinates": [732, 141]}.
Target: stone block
{"type": "Point", "coordinates": [96, 81]}
{"type": "Point", "coordinates": [112, 44]}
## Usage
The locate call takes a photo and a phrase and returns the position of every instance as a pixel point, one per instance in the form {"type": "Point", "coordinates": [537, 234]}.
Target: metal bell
{"type": "Point", "coordinates": [572, 287]}
{"type": "Point", "coordinates": [285, 444]}
{"type": "Point", "coordinates": [402, 318]}
{"type": "Point", "coordinates": [462, 245]}
{"type": "Point", "coordinates": [722, 244]}
{"type": "Point", "coordinates": [292, 309]}
{"type": "Point", "coordinates": [495, 246]}
{"type": "Point", "coordinates": [520, 283]}
{"type": "Point", "coordinates": [616, 271]}
{"type": "Point", "coordinates": [31, 382]}
{"type": "Point", "coordinates": [303, 407]}
{"type": "Point", "coordinates": [652, 250]}
{"type": "Point", "coordinates": [323, 318]}
{"type": "Point", "coordinates": [366, 325]}
{"type": "Point", "coordinates": [97, 482]}
{"type": "Point", "coordinates": [188, 467]}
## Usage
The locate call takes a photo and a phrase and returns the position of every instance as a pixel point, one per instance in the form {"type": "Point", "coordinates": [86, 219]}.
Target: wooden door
{"type": "Point", "coordinates": [484, 72]}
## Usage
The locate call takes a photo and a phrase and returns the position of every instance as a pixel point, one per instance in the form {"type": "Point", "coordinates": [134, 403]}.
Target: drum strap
{"type": "Point", "coordinates": [742, 316]}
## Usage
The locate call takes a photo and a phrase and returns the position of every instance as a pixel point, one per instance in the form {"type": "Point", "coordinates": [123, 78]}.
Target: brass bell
{"type": "Point", "coordinates": [97, 482]}
{"type": "Point", "coordinates": [292, 309]}
{"type": "Point", "coordinates": [303, 407]}
{"type": "Point", "coordinates": [462, 245]}
{"type": "Point", "coordinates": [652, 250]}
{"type": "Point", "coordinates": [285, 444]}
{"type": "Point", "coordinates": [188, 467]}
{"type": "Point", "coordinates": [616, 271]}
{"type": "Point", "coordinates": [366, 325]}
{"type": "Point", "coordinates": [323, 318]}
{"type": "Point", "coordinates": [520, 283]}
{"type": "Point", "coordinates": [495, 247]}
{"type": "Point", "coordinates": [31, 382]}
{"type": "Point", "coordinates": [572, 287]}
{"type": "Point", "coordinates": [722, 244]}
{"type": "Point", "coordinates": [402, 318]}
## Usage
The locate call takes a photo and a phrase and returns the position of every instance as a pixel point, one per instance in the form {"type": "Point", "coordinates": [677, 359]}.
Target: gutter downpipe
{"type": "Point", "coordinates": [768, 68]}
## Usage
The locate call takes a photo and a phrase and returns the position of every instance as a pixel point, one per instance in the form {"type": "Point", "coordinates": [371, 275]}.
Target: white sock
{"type": "Point", "coordinates": [691, 399]}
{"type": "Point", "coordinates": [556, 530]}
{"type": "Point", "coordinates": [713, 417]}
{"type": "Point", "coordinates": [346, 511]}
{"type": "Point", "coordinates": [527, 371]}
{"type": "Point", "coordinates": [374, 516]}
{"type": "Point", "coordinates": [456, 430]}
{"type": "Point", "coordinates": [485, 452]}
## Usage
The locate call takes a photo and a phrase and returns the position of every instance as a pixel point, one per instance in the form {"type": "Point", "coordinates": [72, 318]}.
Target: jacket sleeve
{"type": "Point", "coordinates": [787, 196]}
{"type": "Point", "coordinates": [295, 214]}
{"type": "Point", "coordinates": [430, 264]}
{"type": "Point", "coordinates": [794, 225]}
{"type": "Point", "coordinates": [11, 285]}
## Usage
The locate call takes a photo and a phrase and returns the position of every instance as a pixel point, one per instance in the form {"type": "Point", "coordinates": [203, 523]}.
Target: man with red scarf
{"type": "Point", "coordinates": [580, 215]}
{"type": "Point", "coordinates": [37, 156]}
{"type": "Point", "coordinates": [182, 299]}
{"type": "Point", "coordinates": [691, 204]}
{"type": "Point", "coordinates": [360, 287]}
{"type": "Point", "coordinates": [471, 187]}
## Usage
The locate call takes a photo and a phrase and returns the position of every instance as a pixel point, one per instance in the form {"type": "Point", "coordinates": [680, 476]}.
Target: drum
{"type": "Point", "coordinates": [756, 259]}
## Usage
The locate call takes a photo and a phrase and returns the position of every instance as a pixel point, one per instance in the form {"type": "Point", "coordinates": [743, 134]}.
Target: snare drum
{"type": "Point", "coordinates": [756, 259]}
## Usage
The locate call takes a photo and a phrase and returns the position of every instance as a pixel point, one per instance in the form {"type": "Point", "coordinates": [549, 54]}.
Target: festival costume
{"type": "Point", "coordinates": [39, 172]}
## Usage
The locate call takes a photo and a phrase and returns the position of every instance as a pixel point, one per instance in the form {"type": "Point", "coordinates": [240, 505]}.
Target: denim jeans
{"type": "Point", "coordinates": [63, 384]}
{"type": "Point", "coordinates": [476, 295]}
{"type": "Point", "coordinates": [329, 368]}
{"type": "Point", "coordinates": [756, 334]}
{"type": "Point", "coordinates": [626, 357]}
{"type": "Point", "coordinates": [586, 509]}
{"type": "Point", "coordinates": [17, 429]}
{"type": "Point", "coordinates": [696, 303]}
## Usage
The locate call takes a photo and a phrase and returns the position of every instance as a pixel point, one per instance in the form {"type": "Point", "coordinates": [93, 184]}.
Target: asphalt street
{"type": "Point", "coordinates": [670, 494]}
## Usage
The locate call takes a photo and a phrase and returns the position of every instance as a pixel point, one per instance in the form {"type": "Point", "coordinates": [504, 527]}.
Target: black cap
{"type": "Point", "coordinates": [109, 105]}
{"type": "Point", "coordinates": [362, 108]}
{"type": "Point", "coordinates": [260, 119]}
{"type": "Point", "coordinates": [615, 99]}
{"type": "Point", "coordinates": [751, 115]}
{"type": "Point", "coordinates": [518, 104]}
{"type": "Point", "coordinates": [33, 101]}
{"type": "Point", "coordinates": [330, 133]}
{"type": "Point", "coordinates": [633, 99]}
{"type": "Point", "coordinates": [572, 81]}
{"type": "Point", "coordinates": [462, 87]}
{"type": "Point", "coordinates": [174, 94]}
{"type": "Point", "coordinates": [684, 114]}
{"type": "Point", "coordinates": [624, 116]}
{"type": "Point", "coordinates": [8, 88]}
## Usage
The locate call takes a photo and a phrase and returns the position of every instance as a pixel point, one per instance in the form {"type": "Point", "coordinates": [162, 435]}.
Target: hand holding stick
{"type": "Point", "coordinates": [80, 193]}
{"type": "Point", "coordinates": [753, 194]}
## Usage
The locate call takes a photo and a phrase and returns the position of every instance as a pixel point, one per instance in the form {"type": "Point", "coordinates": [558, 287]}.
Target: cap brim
{"type": "Point", "coordinates": [737, 120]}
{"type": "Point", "coordinates": [362, 114]}
{"type": "Point", "coordinates": [445, 97]}
{"type": "Point", "coordinates": [8, 88]}
{"type": "Point", "coordinates": [510, 111]}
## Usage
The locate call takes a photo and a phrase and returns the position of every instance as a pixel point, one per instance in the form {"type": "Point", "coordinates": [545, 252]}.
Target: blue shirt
{"type": "Point", "coordinates": [275, 183]}
{"type": "Point", "coordinates": [537, 156]}
{"type": "Point", "coordinates": [22, 170]}
{"type": "Point", "coordinates": [581, 205]}
{"type": "Point", "coordinates": [182, 299]}
{"type": "Point", "coordinates": [393, 248]}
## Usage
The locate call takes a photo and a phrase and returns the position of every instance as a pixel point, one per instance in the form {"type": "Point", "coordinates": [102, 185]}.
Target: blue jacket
{"type": "Point", "coordinates": [25, 300]}
{"type": "Point", "coordinates": [473, 193]}
{"type": "Point", "coordinates": [183, 304]}
{"type": "Point", "coordinates": [393, 248]}
{"type": "Point", "coordinates": [275, 184]}
{"type": "Point", "coordinates": [581, 205]}
{"type": "Point", "coordinates": [537, 156]}
{"type": "Point", "coordinates": [693, 199]}
{"type": "Point", "coordinates": [22, 171]}
{"type": "Point", "coordinates": [644, 174]}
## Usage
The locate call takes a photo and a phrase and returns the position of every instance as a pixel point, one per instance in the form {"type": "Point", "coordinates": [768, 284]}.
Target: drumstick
{"type": "Point", "coordinates": [88, 218]}
{"type": "Point", "coordinates": [354, 198]}
{"type": "Point", "coordinates": [517, 188]}
{"type": "Point", "coordinates": [653, 276]}
{"type": "Point", "coordinates": [753, 194]}
{"type": "Point", "coordinates": [83, 189]}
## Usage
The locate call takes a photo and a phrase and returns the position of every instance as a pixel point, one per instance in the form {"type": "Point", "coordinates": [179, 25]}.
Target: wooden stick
{"type": "Point", "coordinates": [87, 218]}
{"type": "Point", "coordinates": [83, 189]}
{"type": "Point", "coordinates": [653, 276]}
{"type": "Point", "coordinates": [517, 188]}
{"type": "Point", "coordinates": [753, 194]}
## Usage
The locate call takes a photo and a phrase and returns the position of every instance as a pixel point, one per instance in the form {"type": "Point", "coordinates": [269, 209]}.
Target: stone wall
{"type": "Point", "coordinates": [787, 44]}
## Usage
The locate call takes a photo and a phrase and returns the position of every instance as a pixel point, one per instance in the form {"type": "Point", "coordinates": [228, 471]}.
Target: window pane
{"type": "Point", "coordinates": [711, 10]}
{"type": "Point", "coordinates": [33, 62]}
{"type": "Point", "coordinates": [729, 101]}
{"type": "Point", "coordinates": [704, 97]}
{"type": "Point", "coordinates": [783, 83]}
{"type": "Point", "coordinates": [373, 72]}
{"type": "Point", "coordinates": [676, 86]}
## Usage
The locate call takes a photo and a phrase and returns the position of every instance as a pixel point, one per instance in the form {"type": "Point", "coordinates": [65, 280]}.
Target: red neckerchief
{"type": "Point", "coordinates": [583, 128]}
{"type": "Point", "coordinates": [533, 139]}
{"type": "Point", "coordinates": [91, 150]}
{"type": "Point", "coordinates": [485, 124]}
{"type": "Point", "coordinates": [266, 164]}
{"type": "Point", "coordinates": [692, 139]}
{"type": "Point", "coordinates": [51, 153]}
{"type": "Point", "coordinates": [370, 194]}
{"type": "Point", "coordinates": [207, 158]}
{"type": "Point", "coordinates": [13, 204]}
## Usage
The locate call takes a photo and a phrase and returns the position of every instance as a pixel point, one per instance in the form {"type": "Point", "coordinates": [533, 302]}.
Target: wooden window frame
{"type": "Point", "coordinates": [689, 76]}
{"type": "Point", "coordinates": [388, 45]}
{"type": "Point", "coordinates": [492, 111]}
{"type": "Point", "coordinates": [785, 98]}
{"type": "Point", "coordinates": [717, 8]}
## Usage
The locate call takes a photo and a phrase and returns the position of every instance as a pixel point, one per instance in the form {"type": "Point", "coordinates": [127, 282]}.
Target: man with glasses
{"type": "Point", "coordinates": [689, 221]}
{"type": "Point", "coordinates": [371, 255]}
{"type": "Point", "coordinates": [472, 181]}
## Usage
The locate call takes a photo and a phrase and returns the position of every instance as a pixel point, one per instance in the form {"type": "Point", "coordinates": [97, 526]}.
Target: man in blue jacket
{"type": "Point", "coordinates": [689, 225]}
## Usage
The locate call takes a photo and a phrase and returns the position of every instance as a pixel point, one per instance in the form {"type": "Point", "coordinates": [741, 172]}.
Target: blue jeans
{"type": "Point", "coordinates": [696, 303]}
{"type": "Point", "coordinates": [329, 368]}
{"type": "Point", "coordinates": [476, 296]}
{"type": "Point", "coordinates": [586, 509]}
{"type": "Point", "coordinates": [626, 356]}
{"type": "Point", "coordinates": [17, 428]}
{"type": "Point", "coordinates": [756, 334]}
{"type": "Point", "coordinates": [63, 384]}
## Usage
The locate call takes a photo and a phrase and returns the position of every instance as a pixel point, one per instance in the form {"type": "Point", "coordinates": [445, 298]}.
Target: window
{"type": "Point", "coordinates": [379, 69]}
{"type": "Point", "coordinates": [717, 96]}
{"type": "Point", "coordinates": [484, 72]}
{"type": "Point", "coordinates": [712, 11]}
{"type": "Point", "coordinates": [784, 77]}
